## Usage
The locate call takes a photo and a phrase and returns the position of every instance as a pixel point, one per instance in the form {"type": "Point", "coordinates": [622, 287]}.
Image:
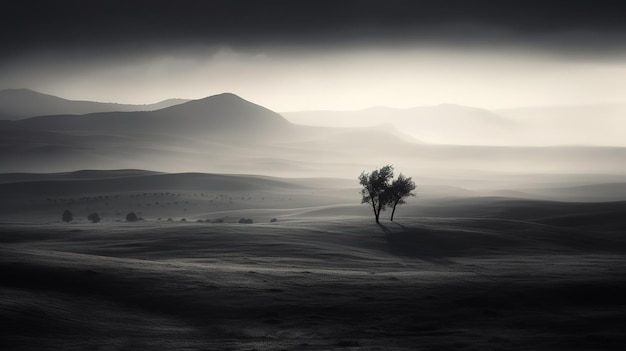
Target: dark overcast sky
{"type": "Point", "coordinates": [568, 26]}
{"type": "Point", "coordinates": [319, 54]}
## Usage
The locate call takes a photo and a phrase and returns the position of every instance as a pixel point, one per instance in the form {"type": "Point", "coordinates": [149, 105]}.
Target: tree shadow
{"type": "Point", "coordinates": [415, 243]}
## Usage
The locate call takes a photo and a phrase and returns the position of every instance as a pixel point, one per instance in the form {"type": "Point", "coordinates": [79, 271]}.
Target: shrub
{"type": "Point", "coordinates": [170, 219]}
{"type": "Point", "coordinates": [246, 221]}
{"type": "Point", "coordinates": [131, 217]}
{"type": "Point", "coordinates": [183, 220]}
{"type": "Point", "coordinates": [273, 220]}
{"type": "Point", "coordinates": [219, 220]}
{"type": "Point", "coordinates": [67, 216]}
{"type": "Point", "coordinates": [93, 218]}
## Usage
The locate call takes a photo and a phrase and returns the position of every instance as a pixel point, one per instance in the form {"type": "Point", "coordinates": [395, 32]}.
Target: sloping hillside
{"type": "Point", "coordinates": [23, 103]}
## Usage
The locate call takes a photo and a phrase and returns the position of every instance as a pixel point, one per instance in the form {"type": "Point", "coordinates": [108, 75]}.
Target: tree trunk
{"type": "Point", "coordinates": [395, 203]}
{"type": "Point", "coordinates": [375, 212]}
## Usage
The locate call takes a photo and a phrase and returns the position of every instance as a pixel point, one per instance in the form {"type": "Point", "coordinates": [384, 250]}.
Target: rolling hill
{"type": "Point", "coordinates": [442, 124]}
{"type": "Point", "coordinates": [227, 134]}
{"type": "Point", "coordinates": [601, 124]}
{"type": "Point", "coordinates": [113, 193]}
{"type": "Point", "coordinates": [218, 115]}
{"type": "Point", "coordinates": [222, 133]}
{"type": "Point", "coordinates": [24, 103]}
{"type": "Point", "coordinates": [585, 125]}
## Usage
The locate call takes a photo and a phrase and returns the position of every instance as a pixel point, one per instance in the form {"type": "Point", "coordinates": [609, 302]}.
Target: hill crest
{"type": "Point", "coordinates": [16, 104]}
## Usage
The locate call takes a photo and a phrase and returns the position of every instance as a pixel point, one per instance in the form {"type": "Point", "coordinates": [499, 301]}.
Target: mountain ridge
{"type": "Point", "coordinates": [227, 134]}
{"type": "Point", "coordinates": [222, 113]}
{"type": "Point", "coordinates": [590, 125]}
{"type": "Point", "coordinates": [439, 124]}
{"type": "Point", "coordinates": [16, 104]}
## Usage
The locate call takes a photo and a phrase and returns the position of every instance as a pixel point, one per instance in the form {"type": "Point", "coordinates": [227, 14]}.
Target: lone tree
{"type": "Point", "coordinates": [94, 218]}
{"type": "Point", "coordinates": [399, 189]}
{"type": "Point", "coordinates": [67, 216]}
{"type": "Point", "coordinates": [375, 186]}
{"type": "Point", "coordinates": [381, 192]}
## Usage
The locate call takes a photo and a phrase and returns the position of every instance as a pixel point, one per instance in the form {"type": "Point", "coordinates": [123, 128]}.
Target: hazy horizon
{"type": "Point", "coordinates": [481, 60]}
{"type": "Point", "coordinates": [323, 56]}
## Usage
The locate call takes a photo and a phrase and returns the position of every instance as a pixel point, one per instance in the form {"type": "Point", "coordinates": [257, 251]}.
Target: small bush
{"type": "Point", "coordinates": [200, 221]}
{"type": "Point", "coordinates": [170, 219]}
{"type": "Point", "coordinates": [273, 220]}
{"type": "Point", "coordinates": [131, 217]}
{"type": "Point", "coordinates": [219, 220]}
{"type": "Point", "coordinates": [246, 221]}
{"type": "Point", "coordinates": [94, 218]}
{"type": "Point", "coordinates": [183, 220]}
{"type": "Point", "coordinates": [67, 216]}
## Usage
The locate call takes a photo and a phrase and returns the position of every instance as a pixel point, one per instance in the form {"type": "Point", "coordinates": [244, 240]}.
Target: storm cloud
{"type": "Point", "coordinates": [107, 27]}
{"type": "Point", "coordinates": [290, 55]}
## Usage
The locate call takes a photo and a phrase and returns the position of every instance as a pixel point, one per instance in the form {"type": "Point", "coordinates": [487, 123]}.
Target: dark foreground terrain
{"type": "Point", "coordinates": [317, 282]}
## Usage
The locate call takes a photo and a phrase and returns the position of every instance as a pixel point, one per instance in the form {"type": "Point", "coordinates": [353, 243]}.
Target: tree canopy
{"type": "Point", "coordinates": [374, 186]}
{"type": "Point", "coordinates": [400, 188]}
{"type": "Point", "coordinates": [381, 191]}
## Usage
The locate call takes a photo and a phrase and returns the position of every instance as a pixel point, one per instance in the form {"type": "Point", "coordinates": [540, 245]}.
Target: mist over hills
{"type": "Point", "coordinates": [112, 193]}
{"type": "Point", "coordinates": [215, 115]}
{"type": "Point", "coordinates": [222, 133]}
{"type": "Point", "coordinates": [24, 103]}
{"type": "Point", "coordinates": [597, 125]}
{"type": "Point", "coordinates": [442, 124]}
{"type": "Point", "coordinates": [76, 175]}
{"type": "Point", "coordinates": [221, 224]}
{"type": "Point", "coordinates": [228, 134]}
{"type": "Point", "coordinates": [444, 114]}
{"type": "Point", "coordinates": [600, 124]}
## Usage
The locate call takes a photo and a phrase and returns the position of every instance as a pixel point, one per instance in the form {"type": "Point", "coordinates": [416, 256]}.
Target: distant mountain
{"type": "Point", "coordinates": [442, 124]}
{"type": "Point", "coordinates": [591, 125]}
{"type": "Point", "coordinates": [224, 113]}
{"type": "Point", "coordinates": [227, 134]}
{"type": "Point", "coordinates": [222, 133]}
{"type": "Point", "coordinates": [157, 106]}
{"type": "Point", "coordinates": [23, 103]}
{"type": "Point", "coordinates": [220, 115]}
{"type": "Point", "coordinates": [600, 124]}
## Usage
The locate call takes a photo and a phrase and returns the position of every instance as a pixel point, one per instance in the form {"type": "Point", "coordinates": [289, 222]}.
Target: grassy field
{"type": "Point", "coordinates": [311, 282]}
{"type": "Point", "coordinates": [451, 273]}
